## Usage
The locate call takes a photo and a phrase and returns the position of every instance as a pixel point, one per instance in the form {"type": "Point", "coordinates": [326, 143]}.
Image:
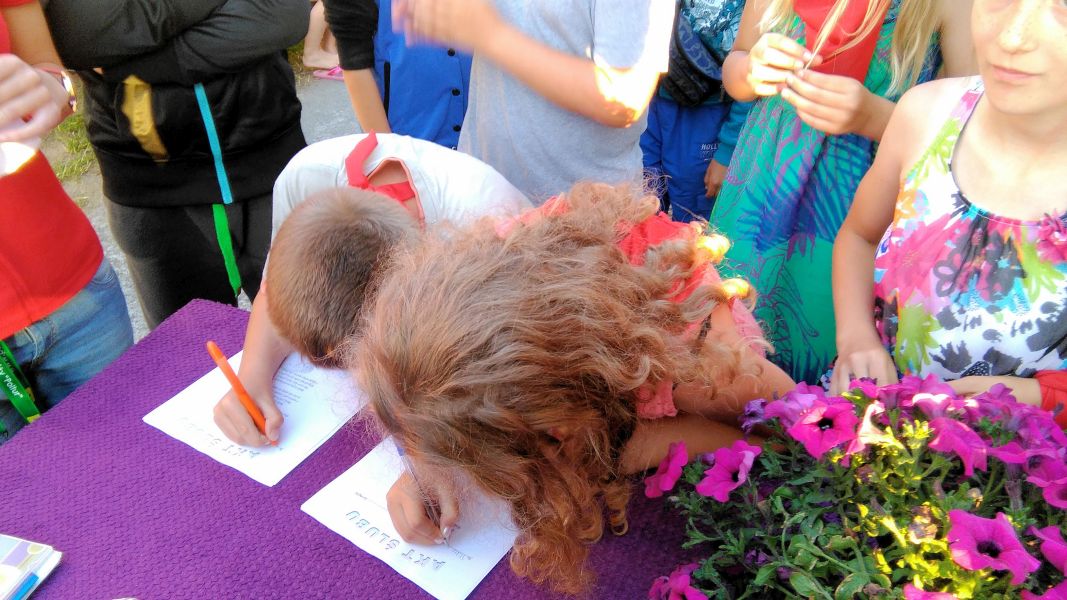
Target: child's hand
{"type": "Point", "coordinates": [236, 423]}
{"type": "Point", "coordinates": [459, 23]}
{"type": "Point", "coordinates": [772, 60]}
{"type": "Point", "coordinates": [833, 104]}
{"type": "Point", "coordinates": [865, 357]}
{"type": "Point", "coordinates": [713, 178]}
{"type": "Point", "coordinates": [408, 510]}
{"type": "Point", "coordinates": [26, 92]}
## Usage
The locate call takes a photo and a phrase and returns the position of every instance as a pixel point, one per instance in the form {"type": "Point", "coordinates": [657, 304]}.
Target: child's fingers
{"type": "Point", "coordinates": [832, 83]}
{"type": "Point", "coordinates": [773, 57]}
{"type": "Point", "coordinates": [803, 84]}
{"type": "Point", "coordinates": [786, 45]}
{"type": "Point", "coordinates": [819, 123]}
{"type": "Point", "coordinates": [235, 422]}
{"type": "Point", "coordinates": [407, 509]}
{"type": "Point", "coordinates": [273, 418]}
{"type": "Point", "coordinates": [809, 106]}
{"type": "Point", "coordinates": [449, 507]}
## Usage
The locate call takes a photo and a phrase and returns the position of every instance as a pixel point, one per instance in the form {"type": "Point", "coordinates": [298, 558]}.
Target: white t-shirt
{"type": "Point", "coordinates": [450, 186]}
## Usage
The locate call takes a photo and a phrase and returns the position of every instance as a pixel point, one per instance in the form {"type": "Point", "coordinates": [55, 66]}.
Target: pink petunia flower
{"type": "Point", "coordinates": [1011, 453]}
{"type": "Point", "coordinates": [978, 543]}
{"type": "Point", "coordinates": [868, 432]}
{"type": "Point", "coordinates": [1055, 494]}
{"type": "Point", "coordinates": [825, 426]}
{"type": "Point", "coordinates": [668, 472]}
{"type": "Point", "coordinates": [1052, 546]}
{"type": "Point", "coordinates": [1058, 592]}
{"type": "Point", "coordinates": [788, 408]}
{"type": "Point", "coordinates": [913, 593]}
{"type": "Point", "coordinates": [676, 586]}
{"type": "Point", "coordinates": [953, 437]}
{"type": "Point", "coordinates": [730, 470]}
{"type": "Point", "coordinates": [935, 405]}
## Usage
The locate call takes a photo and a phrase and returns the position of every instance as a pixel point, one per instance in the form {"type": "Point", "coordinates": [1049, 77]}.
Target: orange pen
{"type": "Point", "coordinates": [238, 388]}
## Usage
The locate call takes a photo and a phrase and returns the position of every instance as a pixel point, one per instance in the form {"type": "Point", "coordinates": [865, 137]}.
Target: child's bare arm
{"type": "Point", "coordinates": [860, 350]}
{"type": "Point", "coordinates": [612, 96]}
{"type": "Point", "coordinates": [264, 352]}
{"type": "Point", "coordinates": [651, 439]}
{"type": "Point", "coordinates": [366, 100]}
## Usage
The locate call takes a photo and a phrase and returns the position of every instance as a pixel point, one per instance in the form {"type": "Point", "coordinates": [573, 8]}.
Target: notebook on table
{"type": "Point", "coordinates": [23, 566]}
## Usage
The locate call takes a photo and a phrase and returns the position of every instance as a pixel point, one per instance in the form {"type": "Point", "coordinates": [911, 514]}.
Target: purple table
{"type": "Point", "coordinates": [137, 513]}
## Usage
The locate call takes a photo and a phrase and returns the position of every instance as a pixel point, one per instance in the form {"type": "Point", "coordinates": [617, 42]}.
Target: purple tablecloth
{"type": "Point", "coordinates": [137, 513]}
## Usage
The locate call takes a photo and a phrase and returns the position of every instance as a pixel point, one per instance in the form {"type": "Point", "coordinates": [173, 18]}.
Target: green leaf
{"type": "Point", "coordinates": [805, 586]}
{"type": "Point", "coordinates": [851, 585]}
{"type": "Point", "coordinates": [763, 576]}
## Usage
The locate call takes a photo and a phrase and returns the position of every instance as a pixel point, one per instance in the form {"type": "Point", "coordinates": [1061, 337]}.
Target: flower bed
{"type": "Point", "coordinates": [903, 491]}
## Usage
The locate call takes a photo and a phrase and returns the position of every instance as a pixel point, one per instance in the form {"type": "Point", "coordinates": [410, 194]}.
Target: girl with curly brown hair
{"type": "Point", "coordinates": [544, 360]}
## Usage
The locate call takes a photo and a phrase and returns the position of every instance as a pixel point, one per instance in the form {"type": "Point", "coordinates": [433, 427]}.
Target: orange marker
{"type": "Point", "coordinates": [238, 388]}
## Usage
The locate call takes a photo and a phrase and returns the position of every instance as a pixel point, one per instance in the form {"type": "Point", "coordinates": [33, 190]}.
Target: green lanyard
{"type": "Point", "coordinates": [14, 384]}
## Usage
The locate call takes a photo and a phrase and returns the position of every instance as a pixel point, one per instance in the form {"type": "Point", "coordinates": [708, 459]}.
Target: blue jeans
{"type": "Point", "coordinates": [68, 347]}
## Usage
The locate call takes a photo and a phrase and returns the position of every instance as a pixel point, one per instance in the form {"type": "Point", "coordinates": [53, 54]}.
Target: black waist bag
{"type": "Point", "coordinates": [693, 74]}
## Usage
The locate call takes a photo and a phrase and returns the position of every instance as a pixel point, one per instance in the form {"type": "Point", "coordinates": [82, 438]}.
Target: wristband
{"type": "Point", "coordinates": [63, 77]}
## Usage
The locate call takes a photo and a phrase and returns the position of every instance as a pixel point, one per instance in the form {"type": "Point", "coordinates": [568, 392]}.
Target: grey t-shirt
{"type": "Point", "coordinates": [538, 146]}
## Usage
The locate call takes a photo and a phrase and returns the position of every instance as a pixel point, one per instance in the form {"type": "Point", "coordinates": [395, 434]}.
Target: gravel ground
{"type": "Point", "coordinates": [327, 114]}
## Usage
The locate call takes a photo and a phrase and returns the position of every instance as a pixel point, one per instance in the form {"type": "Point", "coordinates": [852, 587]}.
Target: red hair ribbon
{"type": "Point", "coordinates": [401, 192]}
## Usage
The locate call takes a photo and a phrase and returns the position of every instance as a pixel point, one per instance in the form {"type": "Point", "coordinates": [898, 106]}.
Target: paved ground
{"type": "Point", "coordinates": [327, 114]}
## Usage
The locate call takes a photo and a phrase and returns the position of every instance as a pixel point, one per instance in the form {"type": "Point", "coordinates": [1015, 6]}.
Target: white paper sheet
{"type": "Point", "coordinates": [353, 505]}
{"type": "Point", "coordinates": [316, 402]}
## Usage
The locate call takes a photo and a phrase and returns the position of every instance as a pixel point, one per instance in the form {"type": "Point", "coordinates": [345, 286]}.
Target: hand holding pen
{"type": "Point", "coordinates": [421, 514]}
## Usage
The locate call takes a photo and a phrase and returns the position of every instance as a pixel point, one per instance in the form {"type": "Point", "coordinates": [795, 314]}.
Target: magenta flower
{"type": "Point", "coordinates": [1011, 453]}
{"type": "Point", "coordinates": [1052, 546]}
{"type": "Point", "coordinates": [913, 593]}
{"type": "Point", "coordinates": [1044, 467]}
{"type": "Point", "coordinates": [934, 405]}
{"type": "Point", "coordinates": [730, 470]}
{"type": "Point", "coordinates": [910, 386]}
{"type": "Point", "coordinates": [824, 426]}
{"type": "Point", "coordinates": [1055, 494]}
{"type": "Point", "coordinates": [677, 586]}
{"type": "Point", "coordinates": [668, 472]}
{"type": "Point", "coordinates": [753, 414]}
{"type": "Point", "coordinates": [978, 543]}
{"type": "Point", "coordinates": [1058, 592]}
{"type": "Point", "coordinates": [953, 437]}
{"type": "Point", "coordinates": [788, 408]}
{"type": "Point", "coordinates": [868, 433]}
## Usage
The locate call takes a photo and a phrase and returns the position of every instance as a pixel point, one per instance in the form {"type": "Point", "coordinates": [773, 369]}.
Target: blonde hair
{"type": "Point", "coordinates": [322, 263]}
{"type": "Point", "coordinates": [514, 360]}
{"type": "Point", "coordinates": [916, 24]}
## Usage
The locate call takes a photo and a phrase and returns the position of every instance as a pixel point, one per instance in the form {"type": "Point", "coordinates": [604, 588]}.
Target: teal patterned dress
{"type": "Point", "coordinates": [786, 195]}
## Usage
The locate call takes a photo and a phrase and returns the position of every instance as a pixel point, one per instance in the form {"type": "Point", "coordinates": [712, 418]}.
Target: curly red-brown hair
{"type": "Point", "coordinates": [514, 357]}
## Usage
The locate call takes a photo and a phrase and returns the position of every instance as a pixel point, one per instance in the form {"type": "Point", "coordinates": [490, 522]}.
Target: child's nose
{"type": "Point", "coordinates": [1020, 28]}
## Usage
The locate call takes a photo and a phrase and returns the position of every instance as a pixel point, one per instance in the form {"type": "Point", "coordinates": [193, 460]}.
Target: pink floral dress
{"type": "Point", "coordinates": [960, 291]}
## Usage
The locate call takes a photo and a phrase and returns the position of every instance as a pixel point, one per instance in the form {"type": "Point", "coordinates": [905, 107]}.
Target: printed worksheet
{"type": "Point", "coordinates": [353, 505]}
{"type": "Point", "coordinates": [316, 402]}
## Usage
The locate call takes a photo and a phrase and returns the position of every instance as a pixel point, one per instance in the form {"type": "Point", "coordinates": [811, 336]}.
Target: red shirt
{"type": "Point", "coordinates": [5, 39]}
{"type": "Point", "coordinates": [48, 249]}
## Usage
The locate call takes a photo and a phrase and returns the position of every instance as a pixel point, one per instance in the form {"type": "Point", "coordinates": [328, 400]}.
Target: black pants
{"type": "Point", "coordinates": [174, 255]}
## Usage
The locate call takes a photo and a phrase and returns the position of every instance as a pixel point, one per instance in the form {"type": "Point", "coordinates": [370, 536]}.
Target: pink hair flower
{"type": "Point", "coordinates": [825, 426]}
{"type": "Point", "coordinates": [913, 593]}
{"type": "Point", "coordinates": [677, 586]}
{"type": "Point", "coordinates": [978, 543]}
{"type": "Point", "coordinates": [1052, 546]}
{"type": "Point", "coordinates": [731, 469]}
{"type": "Point", "coordinates": [668, 472]}
{"type": "Point", "coordinates": [953, 437]}
{"type": "Point", "coordinates": [1058, 592]}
